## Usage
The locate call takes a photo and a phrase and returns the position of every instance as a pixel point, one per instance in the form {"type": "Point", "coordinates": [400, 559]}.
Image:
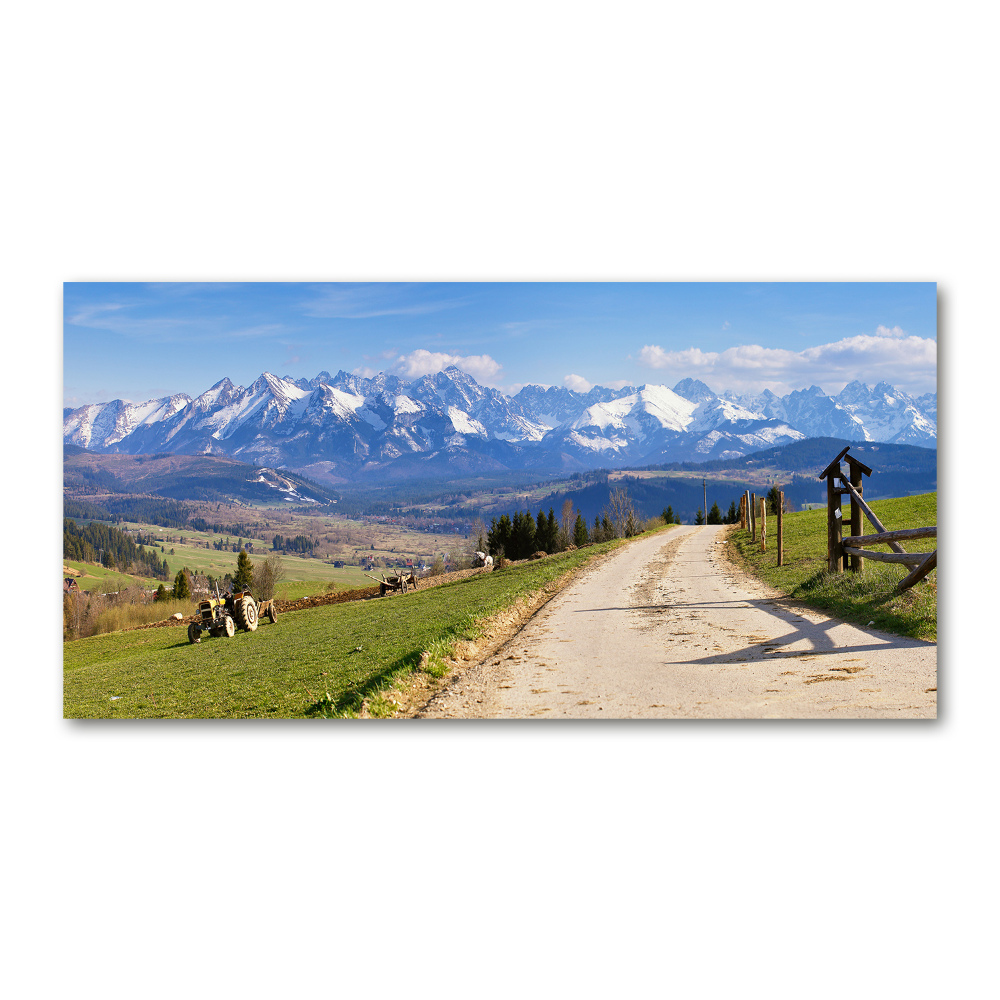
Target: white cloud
{"type": "Point", "coordinates": [481, 367]}
{"type": "Point", "coordinates": [890, 354]}
{"type": "Point", "coordinates": [652, 356]}
{"type": "Point", "coordinates": [577, 383]}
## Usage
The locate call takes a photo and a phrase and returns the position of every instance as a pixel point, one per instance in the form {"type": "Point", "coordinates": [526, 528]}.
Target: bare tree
{"type": "Point", "coordinates": [266, 577]}
{"type": "Point", "coordinates": [621, 512]}
{"type": "Point", "coordinates": [566, 522]}
{"type": "Point", "coordinates": [476, 542]}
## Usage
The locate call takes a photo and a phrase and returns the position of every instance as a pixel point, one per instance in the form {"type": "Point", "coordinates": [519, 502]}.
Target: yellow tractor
{"type": "Point", "coordinates": [223, 614]}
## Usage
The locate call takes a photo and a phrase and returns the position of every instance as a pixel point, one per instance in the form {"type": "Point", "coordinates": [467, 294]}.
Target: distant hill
{"type": "Point", "coordinates": [187, 477]}
{"type": "Point", "coordinates": [817, 453]}
{"type": "Point", "coordinates": [897, 470]}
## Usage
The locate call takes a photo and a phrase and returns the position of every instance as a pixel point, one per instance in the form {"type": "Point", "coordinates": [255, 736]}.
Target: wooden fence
{"type": "Point", "coordinates": [753, 512]}
{"type": "Point", "coordinates": [851, 550]}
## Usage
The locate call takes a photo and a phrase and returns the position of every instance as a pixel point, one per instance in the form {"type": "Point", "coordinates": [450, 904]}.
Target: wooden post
{"type": "Point", "coordinates": [781, 541]}
{"type": "Point", "coordinates": [834, 534]}
{"type": "Point", "coordinates": [743, 513]}
{"type": "Point", "coordinates": [763, 524]}
{"type": "Point", "coordinates": [753, 517]}
{"type": "Point", "coordinates": [857, 526]}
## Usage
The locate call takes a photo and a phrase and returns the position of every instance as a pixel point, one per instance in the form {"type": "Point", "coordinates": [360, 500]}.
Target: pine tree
{"type": "Point", "coordinates": [668, 515]}
{"type": "Point", "coordinates": [541, 532]}
{"type": "Point", "coordinates": [523, 535]}
{"type": "Point", "coordinates": [580, 536]}
{"type": "Point", "coordinates": [699, 518]}
{"type": "Point", "coordinates": [499, 537]}
{"type": "Point", "coordinates": [244, 572]}
{"type": "Point", "coordinates": [715, 515]}
{"type": "Point", "coordinates": [182, 588]}
{"type": "Point", "coordinates": [733, 516]}
{"type": "Point", "coordinates": [773, 499]}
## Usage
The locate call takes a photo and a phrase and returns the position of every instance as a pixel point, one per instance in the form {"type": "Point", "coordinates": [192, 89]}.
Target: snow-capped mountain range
{"type": "Point", "coordinates": [336, 428]}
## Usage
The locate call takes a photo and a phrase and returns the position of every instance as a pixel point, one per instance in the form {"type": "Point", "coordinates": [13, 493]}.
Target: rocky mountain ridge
{"type": "Point", "coordinates": [337, 428]}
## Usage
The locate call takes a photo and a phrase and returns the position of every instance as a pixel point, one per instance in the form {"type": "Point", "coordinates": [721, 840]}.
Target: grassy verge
{"type": "Point", "coordinates": [869, 596]}
{"type": "Point", "coordinates": [323, 661]}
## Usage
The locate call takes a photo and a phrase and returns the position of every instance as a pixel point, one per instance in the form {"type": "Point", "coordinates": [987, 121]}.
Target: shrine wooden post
{"type": "Point", "coordinates": [836, 487]}
{"type": "Point", "coordinates": [834, 525]}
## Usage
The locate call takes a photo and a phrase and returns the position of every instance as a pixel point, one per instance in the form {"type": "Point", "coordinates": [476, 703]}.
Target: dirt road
{"type": "Point", "coordinates": [667, 628]}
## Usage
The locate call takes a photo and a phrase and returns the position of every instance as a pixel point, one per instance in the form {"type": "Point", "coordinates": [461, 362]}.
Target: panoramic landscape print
{"type": "Point", "coordinates": [500, 500]}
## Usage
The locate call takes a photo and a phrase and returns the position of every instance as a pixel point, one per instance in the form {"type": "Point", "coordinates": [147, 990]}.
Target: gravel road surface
{"type": "Point", "coordinates": [668, 628]}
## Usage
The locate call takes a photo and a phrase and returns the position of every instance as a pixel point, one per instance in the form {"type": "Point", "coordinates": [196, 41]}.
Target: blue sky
{"type": "Point", "coordinates": [140, 341]}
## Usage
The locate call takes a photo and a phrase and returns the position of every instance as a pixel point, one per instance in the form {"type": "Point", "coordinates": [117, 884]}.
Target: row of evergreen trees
{"type": "Point", "coordinates": [300, 543]}
{"type": "Point", "coordinates": [96, 542]}
{"type": "Point", "coordinates": [521, 535]}
{"type": "Point", "coordinates": [166, 513]}
{"type": "Point", "coordinates": [715, 516]}
{"type": "Point", "coordinates": [732, 516]}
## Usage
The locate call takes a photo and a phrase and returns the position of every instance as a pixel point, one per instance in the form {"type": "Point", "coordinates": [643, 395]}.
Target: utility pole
{"type": "Point", "coordinates": [704, 487]}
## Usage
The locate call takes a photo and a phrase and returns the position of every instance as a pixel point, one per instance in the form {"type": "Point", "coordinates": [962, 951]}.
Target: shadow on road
{"type": "Point", "coordinates": [788, 628]}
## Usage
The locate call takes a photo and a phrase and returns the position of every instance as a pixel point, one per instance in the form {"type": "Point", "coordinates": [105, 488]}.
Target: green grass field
{"type": "Point", "coordinates": [307, 663]}
{"type": "Point", "coordinates": [863, 597]}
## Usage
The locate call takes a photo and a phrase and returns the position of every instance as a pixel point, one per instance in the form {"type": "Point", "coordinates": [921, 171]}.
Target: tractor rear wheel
{"type": "Point", "coordinates": [272, 612]}
{"type": "Point", "coordinates": [245, 613]}
{"type": "Point", "coordinates": [228, 627]}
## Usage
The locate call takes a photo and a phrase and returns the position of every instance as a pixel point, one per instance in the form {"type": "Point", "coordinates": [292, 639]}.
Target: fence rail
{"type": "Point", "coordinates": [891, 536]}
{"type": "Point", "coordinates": [913, 558]}
{"type": "Point", "coordinates": [841, 549]}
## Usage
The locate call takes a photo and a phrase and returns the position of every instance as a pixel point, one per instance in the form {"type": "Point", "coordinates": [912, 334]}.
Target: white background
{"type": "Point", "coordinates": [223, 141]}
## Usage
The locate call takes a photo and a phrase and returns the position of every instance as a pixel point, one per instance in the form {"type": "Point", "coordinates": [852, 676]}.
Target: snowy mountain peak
{"type": "Point", "coordinates": [280, 388]}
{"type": "Point", "coordinates": [694, 390]}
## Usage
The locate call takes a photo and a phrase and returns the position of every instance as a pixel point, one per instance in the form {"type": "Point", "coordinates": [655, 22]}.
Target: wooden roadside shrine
{"type": "Point", "coordinates": [842, 551]}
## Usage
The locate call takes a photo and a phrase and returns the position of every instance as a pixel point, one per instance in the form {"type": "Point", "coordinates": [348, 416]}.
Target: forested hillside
{"type": "Point", "coordinates": [114, 549]}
